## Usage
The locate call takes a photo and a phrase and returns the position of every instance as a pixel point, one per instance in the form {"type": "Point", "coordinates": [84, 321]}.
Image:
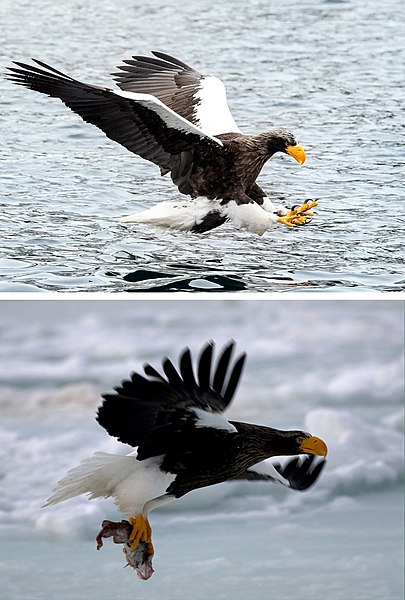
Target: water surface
{"type": "Point", "coordinates": [331, 72]}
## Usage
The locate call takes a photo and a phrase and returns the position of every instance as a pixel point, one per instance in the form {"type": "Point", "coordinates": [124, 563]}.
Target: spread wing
{"type": "Point", "coordinates": [298, 473]}
{"type": "Point", "coordinates": [139, 122]}
{"type": "Point", "coordinates": [150, 412]}
{"type": "Point", "coordinates": [198, 98]}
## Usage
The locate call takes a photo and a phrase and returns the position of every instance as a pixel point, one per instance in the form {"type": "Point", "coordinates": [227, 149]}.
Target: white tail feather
{"type": "Point", "coordinates": [97, 476]}
{"type": "Point", "coordinates": [182, 215]}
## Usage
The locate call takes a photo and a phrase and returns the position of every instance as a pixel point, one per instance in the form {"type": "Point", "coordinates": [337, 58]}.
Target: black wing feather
{"type": "Point", "coordinates": [300, 473]}
{"type": "Point", "coordinates": [151, 411]}
{"type": "Point", "coordinates": [234, 379]}
{"type": "Point", "coordinates": [151, 371]}
{"type": "Point", "coordinates": [175, 61]}
{"type": "Point", "coordinates": [222, 368]}
{"type": "Point", "coordinates": [187, 372]}
{"type": "Point", "coordinates": [172, 375]}
{"type": "Point", "coordinates": [172, 81]}
{"type": "Point", "coordinates": [130, 123]}
{"type": "Point", "coordinates": [204, 368]}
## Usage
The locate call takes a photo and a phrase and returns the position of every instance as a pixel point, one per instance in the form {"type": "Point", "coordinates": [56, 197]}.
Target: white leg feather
{"type": "Point", "coordinates": [278, 210]}
{"type": "Point", "coordinates": [186, 214]}
{"type": "Point", "coordinates": [249, 216]}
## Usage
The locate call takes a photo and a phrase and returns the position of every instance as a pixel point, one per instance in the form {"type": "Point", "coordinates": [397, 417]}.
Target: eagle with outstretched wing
{"type": "Point", "coordinates": [183, 442]}
{"type": "Point", "coordinates": [170, 114]}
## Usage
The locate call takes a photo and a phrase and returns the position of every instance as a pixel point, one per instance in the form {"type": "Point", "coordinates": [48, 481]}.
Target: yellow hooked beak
{"type": "Point", "coordinates": [314, 445]}
{"type": "Point", "coordinates": [297, 152]}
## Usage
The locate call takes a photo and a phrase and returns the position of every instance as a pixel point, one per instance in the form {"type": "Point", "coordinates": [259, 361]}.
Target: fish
{"type": "Point", "coordinates": [139, 558]}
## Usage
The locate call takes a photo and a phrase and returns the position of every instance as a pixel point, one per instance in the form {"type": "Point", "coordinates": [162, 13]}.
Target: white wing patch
{"type": "Point", "coordinates": [213, 114]}
{"type": "Point", "coordinates": [212, 420]}
{"type": "Point", "coordinates": [170, 118]}
{"type": "Point", "coordinates": [265, 467]}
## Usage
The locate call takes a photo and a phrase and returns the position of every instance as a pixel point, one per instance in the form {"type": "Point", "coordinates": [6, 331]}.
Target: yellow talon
{"type": "Point", "coordinates": [299, 215]}
{"type": "Point", "coordinates": [305, 207]}
{"type": "Point", "coordinates": [141, 532]}
{"type": "Point", "coordinates": [286, 221]}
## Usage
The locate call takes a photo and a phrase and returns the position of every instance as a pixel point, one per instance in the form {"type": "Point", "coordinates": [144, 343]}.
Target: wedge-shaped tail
{"type": "Point", "coordinates": [96, 476]}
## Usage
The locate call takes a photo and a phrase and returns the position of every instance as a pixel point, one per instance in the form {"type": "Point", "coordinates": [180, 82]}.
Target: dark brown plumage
{"type": "Point", "coordinates": [172, 81]}
{"type": "Point", "coordinates": [166, 415]}
{"type": "Point", "coordinates": [170, 114]}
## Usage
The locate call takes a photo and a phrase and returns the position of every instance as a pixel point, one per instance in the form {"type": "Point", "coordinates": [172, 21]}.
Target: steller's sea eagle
{"type": "Point", "coordinates": [179, 119]}
{"type": "Point", "coordinates": [183, 443]}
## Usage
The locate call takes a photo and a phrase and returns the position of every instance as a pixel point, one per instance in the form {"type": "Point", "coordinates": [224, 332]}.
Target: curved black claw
{"type": "Point", "coordinates": [301, 472]}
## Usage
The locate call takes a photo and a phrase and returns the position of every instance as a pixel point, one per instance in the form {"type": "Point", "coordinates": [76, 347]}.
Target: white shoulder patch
{"type": "Point", "coordinates": [265, 467]}
{"type": "Point", "coordinates": [212, 420]}
{"type": "Point", "coordinates": [213, 114]}
{"type": "Point", "coordinates": [168, 116]}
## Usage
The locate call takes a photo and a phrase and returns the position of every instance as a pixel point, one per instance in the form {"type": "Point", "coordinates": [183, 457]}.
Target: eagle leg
{"type": "Point", "coordinates": [298, 215]}
{"type": "Point", "coordinates": [141, 532]}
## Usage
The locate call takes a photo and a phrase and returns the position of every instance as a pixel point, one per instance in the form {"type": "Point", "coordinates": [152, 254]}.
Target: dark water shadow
{"type": "Point", "coordinates": [208, 283]}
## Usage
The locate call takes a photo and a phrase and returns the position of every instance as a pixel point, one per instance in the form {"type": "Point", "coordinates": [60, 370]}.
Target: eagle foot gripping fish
{"type": "Point", "coordinates": [139, 558]}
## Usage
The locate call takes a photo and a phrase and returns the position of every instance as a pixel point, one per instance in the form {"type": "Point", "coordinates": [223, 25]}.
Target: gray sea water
{"type": "Point", "coordinates": [330, 71]}
{"type": "Point", "coordinates": [332, 368]}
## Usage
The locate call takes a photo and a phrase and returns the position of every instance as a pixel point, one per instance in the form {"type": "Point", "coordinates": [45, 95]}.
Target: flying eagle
{"type": "Point", "coordinates": [170, 114]}
{"type": "Point", "coordinates": [183, 443]}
